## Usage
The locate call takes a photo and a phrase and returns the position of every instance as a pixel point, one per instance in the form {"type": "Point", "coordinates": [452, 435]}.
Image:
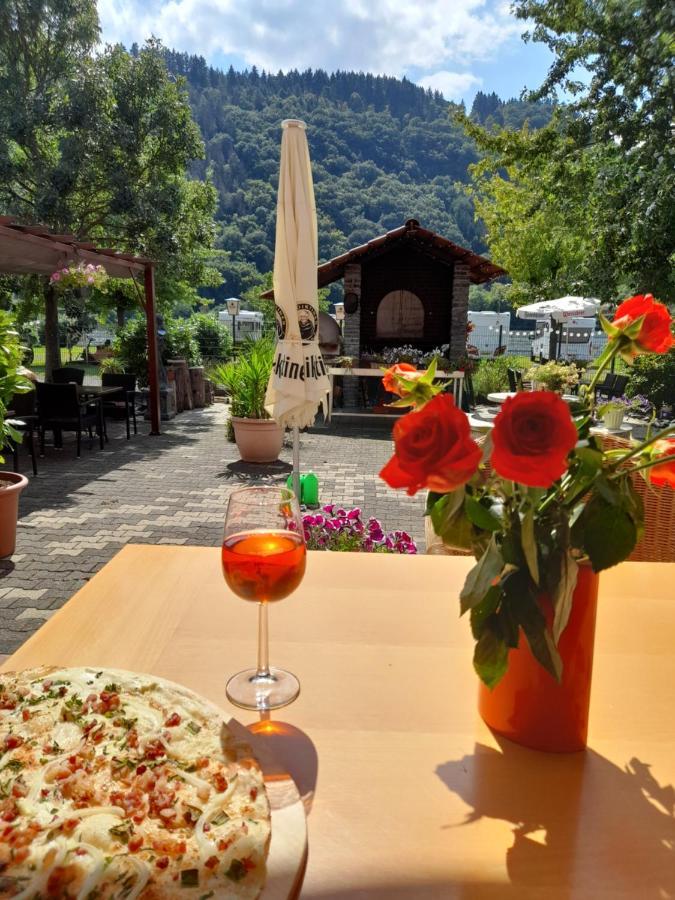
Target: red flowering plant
{"type": "Point", "coordinates": [539, 498]}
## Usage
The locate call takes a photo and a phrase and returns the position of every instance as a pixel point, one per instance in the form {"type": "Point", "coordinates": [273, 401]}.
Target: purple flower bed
{"type": "Point", "coordinates": [334, 528]}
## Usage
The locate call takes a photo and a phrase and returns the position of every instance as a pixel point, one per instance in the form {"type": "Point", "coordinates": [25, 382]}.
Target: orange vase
{"type": "Point", "coordinates": [528, 705]}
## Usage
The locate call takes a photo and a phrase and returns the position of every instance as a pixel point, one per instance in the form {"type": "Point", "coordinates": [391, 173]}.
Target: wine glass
{"type": "Point", "coordinates": [263, 560]}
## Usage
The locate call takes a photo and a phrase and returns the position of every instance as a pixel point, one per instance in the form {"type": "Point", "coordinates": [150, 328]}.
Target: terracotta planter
{"type": "Point", "coordinates": [528, 705]}
{"type": "Point", "coordinates": [258, 440]}
{"type": "Point", "coordinates": [9, 510]}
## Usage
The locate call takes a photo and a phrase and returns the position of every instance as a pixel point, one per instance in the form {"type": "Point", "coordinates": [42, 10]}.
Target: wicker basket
{"type": "Point", "coordinates": [658, 541]}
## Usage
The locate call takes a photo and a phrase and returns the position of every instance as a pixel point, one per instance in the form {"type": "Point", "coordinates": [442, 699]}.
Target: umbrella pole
{"type": "Point", "coordinates": [296, 462]}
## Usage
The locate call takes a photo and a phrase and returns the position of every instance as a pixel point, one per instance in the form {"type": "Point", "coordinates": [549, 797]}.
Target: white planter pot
{"type": "Point", "coordinates": [613, 419]}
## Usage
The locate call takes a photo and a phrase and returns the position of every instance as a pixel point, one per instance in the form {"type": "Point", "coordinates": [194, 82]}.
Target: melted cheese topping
{"type": "Point", "coordinates": [114, 786]}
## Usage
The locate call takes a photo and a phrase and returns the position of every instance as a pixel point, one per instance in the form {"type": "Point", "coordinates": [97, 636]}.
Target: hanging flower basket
{"type": "Point", "coordinates": [79, 277]}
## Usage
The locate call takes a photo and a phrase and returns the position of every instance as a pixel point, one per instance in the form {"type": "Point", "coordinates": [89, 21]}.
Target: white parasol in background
{"type": "Point", "coordinates": [299, 382]}
{"type": "Point", "coordinates": [561, 309]}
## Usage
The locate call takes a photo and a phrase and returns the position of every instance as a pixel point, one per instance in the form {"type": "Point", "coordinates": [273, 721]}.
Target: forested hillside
{"type": "Point", "coordinates": [383, 150]}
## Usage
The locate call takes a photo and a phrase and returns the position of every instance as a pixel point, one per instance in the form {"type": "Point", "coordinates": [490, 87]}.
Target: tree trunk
{"type": "Point", "coordinates": [120, 315]}
{"type": "Point", "coordinates": [52, 349]}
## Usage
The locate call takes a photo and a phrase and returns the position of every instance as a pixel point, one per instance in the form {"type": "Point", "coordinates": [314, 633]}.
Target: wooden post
{"type": "Point", "coordinates": [153, 371]}
{"type": "Point", "coordinates": [52, 348]}
{"type": "Point", "coordinates": [197, 383]}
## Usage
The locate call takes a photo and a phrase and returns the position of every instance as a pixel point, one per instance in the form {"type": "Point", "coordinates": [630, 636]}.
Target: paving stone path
{"type": "Point", "coordinates": [168, 489]}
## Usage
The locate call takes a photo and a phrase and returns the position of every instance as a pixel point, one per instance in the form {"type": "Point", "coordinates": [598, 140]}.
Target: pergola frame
{"type": "Point", "coordinates": [34, 250]}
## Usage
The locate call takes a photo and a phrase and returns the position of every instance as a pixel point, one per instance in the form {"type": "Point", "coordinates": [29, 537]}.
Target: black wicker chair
{"type": "Point", "coordinates": [68, 374]}
{"type": "Point", "coordinates": [25, 420]}
{"type": "Point", "coordinates": [61, 409]}
{"type": "Point", "coordinates": [124, 401]}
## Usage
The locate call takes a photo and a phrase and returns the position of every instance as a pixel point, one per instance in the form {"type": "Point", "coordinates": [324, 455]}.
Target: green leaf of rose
{"type": "Point", "coordinates": [480, 578]}
{"type": "Point", "coordinates": [529, 543]}
{"type": "Point", "coordinates": [605, 532]}
{"type": "Point", "coordinates": [449, 521]}
{"type": "Point", "coordinates": [482, 611]}
{"type": "Point", "coordinates": [562, 600]}
{"type": "Point", "coordinates": [490, 658]}
{"type": "Point", "coordinates": [520, 595]}
{"type": "Point", "coordinates": [480, 515]}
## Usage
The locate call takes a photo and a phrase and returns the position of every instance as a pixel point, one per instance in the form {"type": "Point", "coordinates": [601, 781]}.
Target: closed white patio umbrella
{"type": "Point", "coordinates": [299, 381]}
{"type": "Point", "coordinates": [561, 309]}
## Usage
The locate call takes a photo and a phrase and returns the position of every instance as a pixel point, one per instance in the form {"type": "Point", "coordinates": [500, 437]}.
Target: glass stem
{"type": "Point", "coordinates": [263, 643]}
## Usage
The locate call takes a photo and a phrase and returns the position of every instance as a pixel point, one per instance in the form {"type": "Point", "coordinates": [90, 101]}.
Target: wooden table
{"type": "Point", "coordinates": [501, 396]}
{"type": "Point", "coordinates": [415, 798]}
{"type": "Point", "coordinates": [457, 379]}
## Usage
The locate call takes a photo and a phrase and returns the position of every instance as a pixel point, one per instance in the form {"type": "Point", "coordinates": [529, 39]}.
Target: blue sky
{"type": "Point", "coordinates": [455, 46]}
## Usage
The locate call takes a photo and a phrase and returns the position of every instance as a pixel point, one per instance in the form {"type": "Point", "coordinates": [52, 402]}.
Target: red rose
{"type": "Point", "coordinates": [434, 449]}
{"type": "Point", "coordinates": [655, 335]}
{"type": "Point", "coordinates": [403, 369]}
{"type": "Point", "coordinates": [532, 436]}
{"type": "Point", "coordinates": [665, 473]}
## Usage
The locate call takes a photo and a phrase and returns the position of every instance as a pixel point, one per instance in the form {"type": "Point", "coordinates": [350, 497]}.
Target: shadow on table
{"type": "Point", "coordinates": [292, 750]}
{"type": "Point", "coordinates": [6, 567]}
{"type": "Point", "coordinates": [579, 821]}
{"type": "Point", "coordinates": [256, 472]}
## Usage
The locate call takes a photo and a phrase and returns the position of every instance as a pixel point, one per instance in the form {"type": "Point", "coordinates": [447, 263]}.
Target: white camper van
{"type": "Point", "coordinates": [490, 332]}
{"type": "Point", "coordinates": [572, 342]}
{"type": "Point", "coordinates": [247, 324]}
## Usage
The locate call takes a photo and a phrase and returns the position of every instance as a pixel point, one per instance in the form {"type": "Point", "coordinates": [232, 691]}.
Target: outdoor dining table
{"type": "Point", "coordinates": [456, 379]}
{"type": "Point", "coordinates": [414, 796]}
{"type": "Point", "coordinates": [501, 396]}
{"type": "Point", "coordinates": [97, 393]}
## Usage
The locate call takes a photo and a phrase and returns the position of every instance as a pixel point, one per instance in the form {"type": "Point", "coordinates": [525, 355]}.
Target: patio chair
{"type": "Point", "coordinates": [604, 388]}
{"type": "Point", "coordinates": [68, 374]}
{"type": "Point", "coordinates": [60, 409]}
{"type": "Point", "coordinates": [25, 420]}
{"type": "Point", "coordinates": [124, 401]}
{"type": "Point", "coordinates": [511, 375]}
{"type": "Point", "coordinates": [620, 382]}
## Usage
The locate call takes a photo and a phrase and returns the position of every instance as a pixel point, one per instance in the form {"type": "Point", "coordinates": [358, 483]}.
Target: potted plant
{"type": "Point", "coordinates": [544, 507]}
{"type": "Point", "coordinates": [553, 376]}
{"type": "Point", "coordinates": [613, 412]}
{"type": "Point", "coordinates": [258, 437]}
{"type": "Point", "coordinates": [12, 381]}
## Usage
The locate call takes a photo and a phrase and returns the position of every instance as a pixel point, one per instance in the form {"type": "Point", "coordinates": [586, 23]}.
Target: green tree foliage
{"type": "Point", "coordinates": [131, 345]}
{"type": "Point", "coordinates": [585, 203]}
{"type": "Point", "coordinates": [99, 145]}
{"type": "Point", "coordinates": [383, 150]}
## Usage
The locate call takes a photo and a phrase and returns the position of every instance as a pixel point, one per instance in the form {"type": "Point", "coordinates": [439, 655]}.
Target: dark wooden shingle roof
{"type": "Point", "coordinates": [434, 245]}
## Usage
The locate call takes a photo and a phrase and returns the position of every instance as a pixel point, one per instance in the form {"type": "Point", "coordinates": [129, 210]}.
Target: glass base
{"type": "Point", "coordinates": [250, 691]}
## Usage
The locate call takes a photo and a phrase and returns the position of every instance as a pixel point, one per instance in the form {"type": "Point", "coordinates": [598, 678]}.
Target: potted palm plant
{"type": "Point", "coordinates": [258, 437]}
{"type": "Point", "coordinates": [12, 381]}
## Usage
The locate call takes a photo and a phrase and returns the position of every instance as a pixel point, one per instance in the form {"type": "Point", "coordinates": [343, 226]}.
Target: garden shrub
{"type": "Point", "coordinates": [213, 338]}
{"type": "Point", "coordinates": [131, 345]}
{"type": "Point", "coordinates": [653, 376]}
{"type": "Point", "coordinates": [491, 375]}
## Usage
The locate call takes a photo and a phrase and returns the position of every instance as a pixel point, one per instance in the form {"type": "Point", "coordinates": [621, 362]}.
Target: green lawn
{"type": "Point", "coordinates": [67, 359]}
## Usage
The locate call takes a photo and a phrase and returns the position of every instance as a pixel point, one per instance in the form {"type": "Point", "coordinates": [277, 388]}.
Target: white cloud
{"type": "Point", "coordinates": [453, 85]}
{"type": "Point", "coordinates": [380, 36]}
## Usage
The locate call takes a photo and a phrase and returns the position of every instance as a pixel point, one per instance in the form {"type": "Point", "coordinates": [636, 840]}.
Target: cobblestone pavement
{"type": "Point", "coordinates": [168, 489]}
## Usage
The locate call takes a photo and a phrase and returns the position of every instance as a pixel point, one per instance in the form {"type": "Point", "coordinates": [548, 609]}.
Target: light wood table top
{"type": "Point", "coordinates": [415, 797]}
